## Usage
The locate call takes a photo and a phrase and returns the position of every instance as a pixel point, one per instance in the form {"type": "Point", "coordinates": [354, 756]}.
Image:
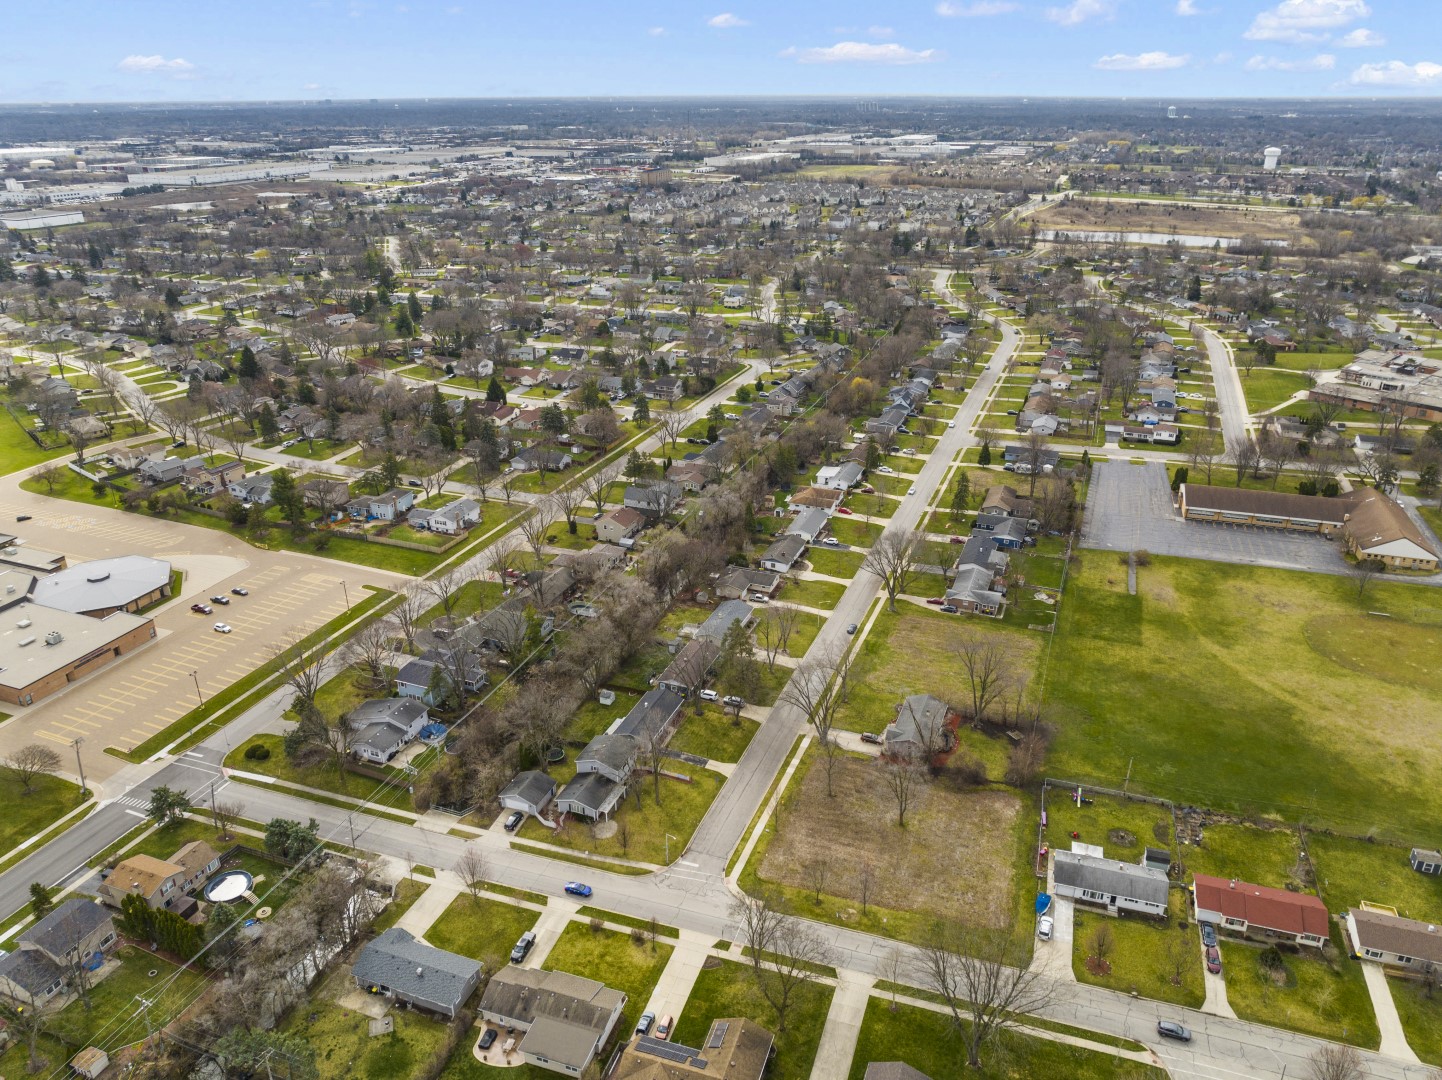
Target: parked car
{"type": "Point", "coordinates": [202, 609]}
{"type": "Point", "coordinates": [732, 701]}
{"type": "Point", "coordinates": [950, 609]}
{"type": "Point", "coordinates": [523, 946]}
{"type": "Point", "coordinates": [1209, 934]}
{"type": "Point", "coordinates": [514, 821]}
{"type": "Point", "coordinates": [1044, 927]}
{"type": "Point", "coordinates": [885, 469]}
{"type": "Point", "coordinates": [868, 490]}
{"type": "Point", "coordinates": [1170, 1029]}
{"type": "Point", "coordinates": [831, 541]}
{"type": "Point", "coordinates": [851, 629]}
{"type": "Point", "coordinates": [221, 600]}
{"type": "Point", "coordinates": [240, 590]}
{"type": "Point", "coordinates": [643, 1025]}
{"type": "Point", "coordinates": [487, 1039]}
{"type": "Point", "coordinates": [872, 738]}
{"type": "Point", "coordinates": [843, 510]}
{"type": "Point", "coordinates": [22, 517]}
{"type": "Point", "coordinates": [710, 695]}
{"type": "Point", "coordinates": [1214, 960]}
{"type": "Point", "coordinates": [413, 483]}
{"type": "Point", "coordinates": [958, 539]}
{"type": "Point", "coordinates": [221, 628]}
{"type": "Point", "coordinates": [576, 888]}
{"type": "Point", "coordinates": [663, 1029]}
{"type": "Point", "coordinates": [938, 601]}
{"type": "Point", "coordinates": [911, 490]}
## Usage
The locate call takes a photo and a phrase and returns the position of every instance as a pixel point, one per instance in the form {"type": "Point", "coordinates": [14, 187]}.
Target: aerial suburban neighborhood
{"type": "Point", "coordinates": [658, 587]}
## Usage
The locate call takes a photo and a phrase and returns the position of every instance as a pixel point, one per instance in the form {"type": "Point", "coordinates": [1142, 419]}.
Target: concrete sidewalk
{"type": "Point", "coordinates": [548, 929]}
{"type": "Point", "coordinates": [843, 1026]}
{"type": "Point", "coordinates": [430, 905]}
{"type": "Point", "coordinates": [673, 988]}
{"type": "Point", "coordinates": [1394, 1039]}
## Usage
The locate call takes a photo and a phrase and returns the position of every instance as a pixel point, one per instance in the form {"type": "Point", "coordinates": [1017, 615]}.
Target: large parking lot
{"type": "Point", "coordinates": [1129, 508]}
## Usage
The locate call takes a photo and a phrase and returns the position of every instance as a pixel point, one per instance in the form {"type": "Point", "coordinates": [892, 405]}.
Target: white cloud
{"type": "Point", "coordinates": [863, 52]}
{"type": "Point", "coordinates": [1187, 7]}
{"type": "Point", "coordinates": [145, 64]}
{"type": "Point", "coordinates": [1397, 73]}
{"type": "Point", "coordinates": [1147, 61]}
{"type": "Point", "coordinates": [880, 31]}
{"type": "Point", "coordinates": [657, 31]}
{"type": "Point", "coordinates": [1320, 62]}
{"type": "Point", "coordinates": [1079, 11]}
{"type": "Point", "coordinates": [1361, 38]}
{"type": "Point", "coordinates": [726, 21]}
{"type": "Point", "coordinates": [1301, 22]}
{"type": "Point", "coordinates": [978, 9]}
{"type": "Point", "coordinates": [311, 86]}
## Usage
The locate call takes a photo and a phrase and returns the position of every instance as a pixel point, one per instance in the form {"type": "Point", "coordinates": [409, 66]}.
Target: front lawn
{"type": "Point", "coordinates": [1140, 956]}
{"type": "Point", "coordinates": [1420, 1011]}
{"type": "Point", "coordinates": [1317, 996]}
{"type": "Point", "coordinates": [481, 928]}
{"type": "Point", "coordinates": [817, 594]}
{"type": "Point", "coordinates": [1267, 388]}
{"type": "Point", "coordinates": [832, 563]}
{"type": "Point", "coordinates": [729, 989]}
{"type": "Point", "coordinates": [49, 799]}
{"type": "Point", "coordinates": [928, 1041]}
{"type": "Point", "coordinates": [325, 776]}
{"type": "Point", "coordinates": [712, 735]}
{"type": "Point", "coordinates": [615, 959]}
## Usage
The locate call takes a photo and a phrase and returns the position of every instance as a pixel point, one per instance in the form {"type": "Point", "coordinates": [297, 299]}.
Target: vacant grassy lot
{"type": "Point", "coordinates": [817, 594]}
{"type": "Point", "coordinates": [1141, 955]}
{"type": "Point", "coordinates": [344, 1048]}
{"type": "Point", "coordinates": [911, 868]}
{"type": "Point", "coordinates": [834, 563]}
{"type": "Point", "coordinates": [914, 651]}
{"type": "Point", "coordinates": [713, 735]}
{"type": "Point", "coordinates": [1323, 997]}
{"type": "Point", "coordinates": [1211, 655]}
{"type": "Point", "coordinates": [1351, 871]}
{"type": "Point", "coordinates": [729, 989]}
{"type": "Point", "coordinates": [615, 959]}
{"type": "Point", "coordinates": [31, 812]}
{"type": "Point", "coordinates": [927, 1041]}
{"type": "Point", "coordinates": [1113, 215]}
{"type": "Point", "coordinates": [1266, 388]}
{"type": "Point", "coordinates": [480, 928]}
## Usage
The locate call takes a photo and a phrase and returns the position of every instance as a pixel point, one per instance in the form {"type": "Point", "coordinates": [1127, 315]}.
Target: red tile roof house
{"type": "Point", "coordinates": [1256, 911]}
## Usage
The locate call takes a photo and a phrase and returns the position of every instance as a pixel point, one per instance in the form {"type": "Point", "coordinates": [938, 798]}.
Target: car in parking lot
{"type": "Point", "coordinates": [643, 1025]}
{"type": "Point", "coordinates": [487, 1039]}
{"type": "Point", "coordinates": [938, 601]}
{"type": "Point", "coordinates": [733, 702]}
{"type": "Point", "coordinates": [202, 609]}
{"type": "Point", "coordinates": [1214, 960]}
{"type": "Point", "coordinates": [1209, 934]}
{"type": "Point", "coordinates": [576, 888]}
{"type": "Point", "coordinates": [831, 541]}
{"type": "Point", "coordinates": [1170, 1029]}
{"type": "Point", "coordinates": [240, 590]}
{"type": "Point", "coordinates": [1044, 927]}
{"type": "Point", "coordinates": [709, 695]}
{"type": "Point", "coordinates": [514, 821]}
{"type": "Point", "coordinates": [872, 738]}
{"type": "Point", "coordinates": [221, 600]}
{"type": "Point", "coordinates": [221, 628]}
{"type": "Point", "coordinates": [851, 629]}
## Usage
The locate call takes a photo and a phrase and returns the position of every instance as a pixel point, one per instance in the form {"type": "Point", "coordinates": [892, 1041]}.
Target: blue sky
{"type": "Point", "coordinates": [203, 50]}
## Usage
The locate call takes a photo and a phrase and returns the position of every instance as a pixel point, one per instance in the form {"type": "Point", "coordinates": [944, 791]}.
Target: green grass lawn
{"type": "Point", "coordinates": [324, 777]}
{"type": "Point", "coordinates": [615, 959]}
{"type": "Point", "coordinates": [1140, 956]}
{"type": "Point", "coordinates": [592, 718]}
{"type": "Point", "coordinates": [1211, 653]}
{"type": "Point", "coordinates": [1316, 996]}
{"type": "Point", "coordinates": [729, 990]}
{"type": "Point", "coordinates": [804, 633]}
{"type": "Point", "coordinates": [49, 799]}
{"type": "Point", "coordinates": [1351, 871]}
{"type": "Point", "coordinates": [1261, 856]}
{"type": "Point", "coordinates": [817, 594]}
{"type": "Point", "coordinates": [18, 451]}
{"type": "Point", "coordinates": [872, 506]}
{"type": "Point", "coordinates": [480, 928]}
{"type": "Point", "coordinates": [927, 1041]}
{"type": "Point", "coordinates": [1421, 1016]}
{"type": "Point", "coordinates": [1123, 827]}
{"type": "Point", "coordinates": [833, 563]}
{"type": "Point", "coordinates": [712, 735]}
{"type": "Point", "coordinates": [424, 537]}
{"type": "Point", "coordinates": [408, 891]}
{"type": "Point", "coordinates": [344, 1048]}
{"type": "Point", "coordinates": [850, 530]}
{"type": "Point", "coordinates": [342, 692]}
{"type": "Point", "coordinates": [473, 596]}
{"type": "Point", "coordinates": [1322, 361]}
{"type": "Point", "coordinates": [1265, 388]}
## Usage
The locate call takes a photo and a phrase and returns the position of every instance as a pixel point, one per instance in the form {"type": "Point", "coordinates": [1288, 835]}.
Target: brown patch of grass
{"type": "Point", "coordinates": [1125, 215]}
{"type": "Point", "coordinates": [953, 858]}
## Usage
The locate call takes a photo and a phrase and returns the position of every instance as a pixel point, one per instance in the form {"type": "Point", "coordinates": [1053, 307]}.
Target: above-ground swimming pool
{"type": "Point", "coordinates": [231, 885]}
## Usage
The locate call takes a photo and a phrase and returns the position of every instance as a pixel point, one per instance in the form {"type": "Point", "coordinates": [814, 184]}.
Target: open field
{"type": "Point", "coordinates": [1209, 655]}
{"type": "Point", "coordinates": [911, 871]}
{"type": "Point", "coordinates": [1266, 388]}
{"type": "Point", "coordinates": [1118, 215]}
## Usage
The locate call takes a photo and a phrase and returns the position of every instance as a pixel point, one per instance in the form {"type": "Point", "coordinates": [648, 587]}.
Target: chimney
{"type": "Point", "coordinates": [420, 973]}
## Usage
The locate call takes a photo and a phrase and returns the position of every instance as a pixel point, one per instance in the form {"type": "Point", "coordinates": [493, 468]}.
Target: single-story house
{"type": "Point", "coordinates": [743, 581]}
{"type": "Point", "coordinates": [385, 726]}
{"type": "Point", "coordinates": [692, 476]}
{"type": "Point", "coordinates": [1004, 501]}
{"type": "Point", "coordinates": [920, 729]}
{"type": "Point", "coordinates": [566, 1018]}
{"type": "Point", "coordinates": [1003, 532]}
{"type": "Point", "coordinates": [727, 613]}
{"type": "Point", "coordinates": [655, 500]}
{"type": "Point", "coordinates": [529, 792]}
{"type": "Point", "coordinates": [810, 523]}
{"type": "Point", "coordinates": [1117, 886]}
{"type": "Point", "coordinates": [783, 554]}
{"type": "Point", "coordinates": [424, 675]}
{"type": "Point", "coordinates": [1394, 941]}
{"type": "Point", "coordinates": [975, 590]}
{"type": "Point", "coordinates": [534, 458]}
{"type": "Point", "coordinates": [839, 477]}
{"type": "Point", "coordinates": [688, 670]}
{"type": "Point", "coordinates": [164, 470]}
{"type": "Point", "coordinates": [401, 966]}
{"type": "Point", "coordinates": [827, 499]}
{"type": "Point", "coordinates": [734, 1049]}
{"type": "Point", "coordinates": [1259, 911]}
{"type": "Point", "coordinates": [76, 931]}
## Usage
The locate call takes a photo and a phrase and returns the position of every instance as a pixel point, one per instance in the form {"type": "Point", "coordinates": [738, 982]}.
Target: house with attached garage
{"type": "Point", "coordinates": [529, 792]}
{"type": "Point", "coordinates": [977, 590]}
{"type": "Point", "coordinates": [449, 520]}
{"type": "Point", "coordinates": [810, 523]}
{"type": "Point", "coordinates": [42, 959]}
{"type": "Point", "coordinates": [566, 1019]}
{"type": "Point", "coordinates": [1116, 886]}
{"type": "Point", "coordinates": [392, 506]}
{"type": "Point", "coordinates": [400, 966]}
{"type": "Point", "coordinates": [784, 554]}
{"type": "Point", "coordinates": [1380, 938]}
{"type": "Point", "coordinates": [720, 621]}
{"type": "Point", "coordinates": [839, 477]}
{"type": "Point", "coordinates": [920, 730]}
{"type": "Point", "coordinates": [1257, 911]}
{"type": "Point", "coordinates": [622, 523]}
{"type": "Point", "coordinates": [1001, 531]}
{"type": "Point", "coordinates": [743, 581]}
{"type": "Point", "coordinates": [603, 769]}
{"type": "Point", "coordinates": [384, 727]}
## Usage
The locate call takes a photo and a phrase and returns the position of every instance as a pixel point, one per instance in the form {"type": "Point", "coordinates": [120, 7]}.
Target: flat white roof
{"type": "Point", "coordinates": [24, 655]}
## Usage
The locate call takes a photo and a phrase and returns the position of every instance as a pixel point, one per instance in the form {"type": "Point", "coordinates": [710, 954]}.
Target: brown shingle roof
{"type": "Point", "coordinates": [1393, 934]}
{"type": "Point", "coordinates": [141, 874]}
{"type": "Point", "coordinates": [1377, 520]}
{"type": "Point", "coordinates": [1282, 504]}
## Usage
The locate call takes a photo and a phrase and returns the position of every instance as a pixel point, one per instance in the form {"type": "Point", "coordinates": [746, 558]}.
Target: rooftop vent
{"type": "Point", "coordinates": [96, 578]}
{"type": "Point", "coordinates": [54, 638]}
{"type": "Point", "coordinates": [23, 623]}
{"type": "Point", "coordinates": [27, 641]}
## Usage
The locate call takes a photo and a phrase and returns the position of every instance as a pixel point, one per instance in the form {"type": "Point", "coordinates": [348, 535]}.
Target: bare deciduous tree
{"type": "Point", "coordinates": [473, 868]}
{"type": "Point", "coordinates": [302, 669]}
{"type": "Point", "coordinates": [903, 779]}
{"type": "Point", "coordinates": [817, 690]}
{"type": "Point", "coordinates": [29, 763]}
{"type": "Point", "coordinates": [892, 560]}
{"type": "Point", "coordinates": [1336, 1062]}
{"type": "Point", "coordinates": [369, 652]}
{"type": "Point", "coordinates": [988, 662]}
{"type": "Point", "coordinates": [785, 953]}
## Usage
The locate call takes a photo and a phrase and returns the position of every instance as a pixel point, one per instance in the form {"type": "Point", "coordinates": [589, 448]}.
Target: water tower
{"type": "Point", "coordinates": [1171, 112]}
{"type": "Point", "coordinates": [1270, 156]}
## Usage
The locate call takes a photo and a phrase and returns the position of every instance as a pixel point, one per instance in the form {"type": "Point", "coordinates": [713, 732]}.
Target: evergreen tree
{"type": "Point", "coordinates": [405, 325]}
{"type": "Point", "coordinates": [413, 305]}
{"type": "Point", "coordinates": [41, 900]}
{"type": "Point", "coordinates": [642, 415]}
{"type": "Point", "coordinates": [269, 428]}
{"type": "Point", "coordinates": [961, 495]}
{"type": "Point", "coordinates": [286, 494]}
{"type": "Point", "coordinates": [495, 391]}
{"type": "Point", "coordinates": [249, 367]}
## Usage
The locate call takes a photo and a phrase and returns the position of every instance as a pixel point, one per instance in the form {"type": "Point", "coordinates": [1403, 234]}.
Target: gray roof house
{"type": "Point", "coordinates": [655, 715]}
{"type": "Point", "coordinates": [252, 489]}
{"type": "Point", "coordinates": [973, 590]}
{"type": "Point", "coordinates": [783, 554]}
{"type": "Point", "coordinates": [919, 729]}
{"type": "Point", "coordinates": [744, 581]}
{"type": "Point", "coordinates": [688, 670]}
{"type": "Point", "coordinates": [529, 792]}
{"type": "Point", "coordinates": [603, 769]}
{"type": "Point", "coordinates": [840, 477]}
{"type": "Point", "coordinates": [720, 620]}
{"type": "Point", "coordinates": [567, 1019]}
{"type": "Point", "coordinates": [1117, 886]}
{"type": "Point", "coordinates": [383, 727]}
{"type": "Point", "coordinates": [409, 970]}
{"type": "Point", "coordinates": [809, 523]}
{"type": "Point", "coordinates": [78, 930]}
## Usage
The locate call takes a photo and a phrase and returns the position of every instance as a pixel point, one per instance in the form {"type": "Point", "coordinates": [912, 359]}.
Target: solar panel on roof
{"type": "Point", "coordinates": [718, 1034]}
{"type": "Point", "coordinates": [664, 1050]}
{"type": "Point", "coordinates": [698, 1063]}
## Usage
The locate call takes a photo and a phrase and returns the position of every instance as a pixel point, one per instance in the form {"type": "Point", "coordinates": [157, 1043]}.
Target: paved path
{"type": "Point", "coordinates": [1394, 1040]}
{"type": "Point", "coordinates": [548, 928]}
{"type": "Point", "coordinates": [431, 904]}
{"type": "Point", "coordinates": [1215, 1001]}
{"type": "Point", "coordinates": [673, 988]}
{"type": "Point", "coordinates": [843, 1026]}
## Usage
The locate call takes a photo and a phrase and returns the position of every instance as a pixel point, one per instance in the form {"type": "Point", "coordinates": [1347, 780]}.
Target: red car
{"type": "Point", "coordinates": [1214, 960]}
{"type": "Point", "coordinates": [201, 609]}
{"type": "Point", "coordinates": [958, 539]}
{"type": "Point", "coordinates": [843, 510]}
{"type": "Point", "coordinates": [938, 601]}
{"type": "Point", "coordinates": [868, 490]}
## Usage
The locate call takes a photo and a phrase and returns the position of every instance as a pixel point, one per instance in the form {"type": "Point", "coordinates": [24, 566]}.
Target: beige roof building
{"type": "Point", "coordinates": [734, 1049]}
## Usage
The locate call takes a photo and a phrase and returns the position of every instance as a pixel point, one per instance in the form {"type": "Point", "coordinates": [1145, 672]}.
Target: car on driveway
{"type": "Point", "coordinates": [872, 738]}
{"type": "Point", "coordinates": [487, 1039]}
{"type": "Point", "coordinates": [843, 510]}
{"type": "Point", "coordinates": [514, 821]}
{"type": "Point", "coordinates": [958, 539]}
{"type": "Point", "coordinates": [731, 701]}
{"type": "Point", "coordinates": [202, 609]}
{"type": "Point", "coordinates": [885, 469]}
{"type": "Point", "coordinates": [938, 601]}
{"type": "Point", "coordinates": [221, 628]}
{"type": "Point", "coordinates": [831, 541]}
{"type": "Point", "coordinates": [1209, 934]}
{"type": "Point", "coordinates": [1170, 1029]}
{"type": "Point", "coordinates": [1044, 927]}
{"type": "Point", "coordinates": [575, 888]}
{"type": "Point", "coordinates": [709, 695]}
{"type": "Point", "coordinates": [221, 600]}
{"type": "Point", "coordinates": [523, 946]}
{"type": "Point", "coordinates": [240, 590]}
{"type": "Point", "coordinates": [868, 490]}
{"type": "Point", "coordinates": [643, 1025]}
{"type": "Point", "coordinates": [1214, 960]}
{"type": "Point", "coordinates": [949, 609]}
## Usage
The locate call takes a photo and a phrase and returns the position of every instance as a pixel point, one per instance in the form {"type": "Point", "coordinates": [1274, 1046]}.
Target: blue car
{"type": "Point", "coordinates": [575, 888]}
{"type": "Point", "coordinates": [1209, 934]}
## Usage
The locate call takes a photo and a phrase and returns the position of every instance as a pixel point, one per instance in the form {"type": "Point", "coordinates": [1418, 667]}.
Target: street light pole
{"type": "Point", "coordinates": [346, 593]}
{"type": "Point", "coordinates": [75, 742]}
{"type": "Point", "coordinates": [669, 838]}
{"type": "Point", "coordinates": [196, 676]}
